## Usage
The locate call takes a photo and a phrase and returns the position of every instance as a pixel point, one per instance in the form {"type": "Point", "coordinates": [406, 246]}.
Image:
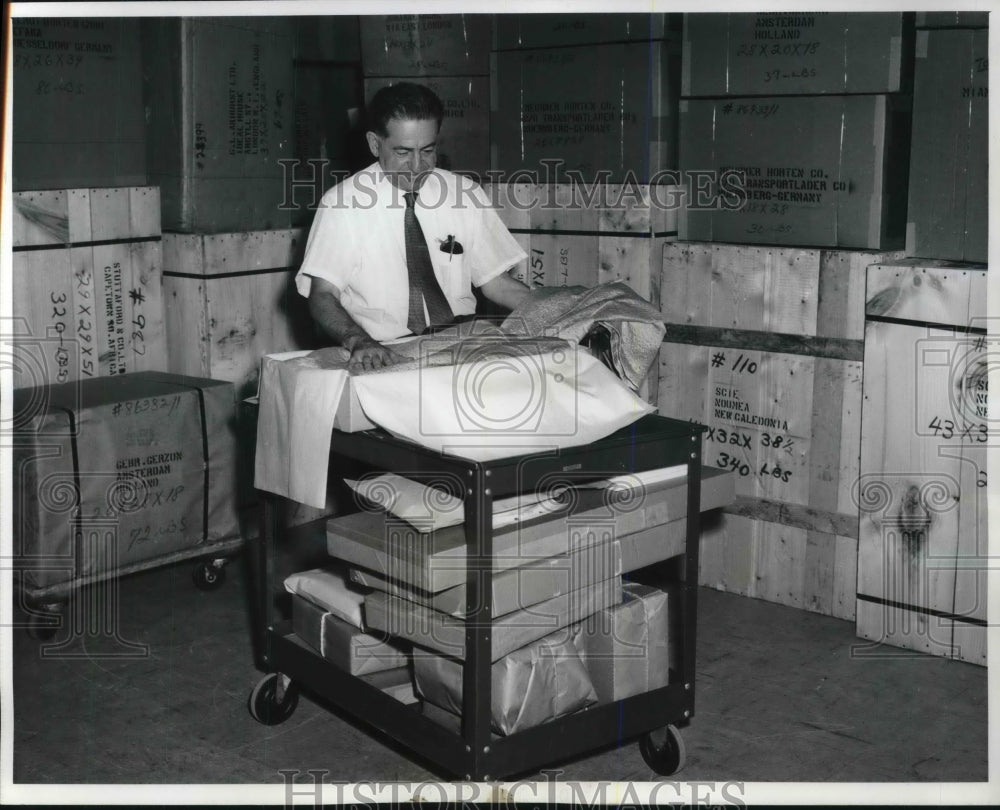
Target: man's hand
{"type": "Point", "coordinates": [369, 355]}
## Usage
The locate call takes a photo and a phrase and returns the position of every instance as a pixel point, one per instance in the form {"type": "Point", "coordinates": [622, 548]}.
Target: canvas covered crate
{"type": "Point", "coordinates": [116, 473]}
{"type": "Point", "coordinates": [87, 284]}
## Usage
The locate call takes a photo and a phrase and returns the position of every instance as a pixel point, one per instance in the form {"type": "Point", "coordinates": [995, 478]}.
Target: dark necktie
{"type": "Point", "coordinates": [423, 284]}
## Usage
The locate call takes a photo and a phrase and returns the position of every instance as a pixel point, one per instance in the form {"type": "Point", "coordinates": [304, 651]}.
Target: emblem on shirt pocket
{"type": "Point", "coordinates": [451, 246]}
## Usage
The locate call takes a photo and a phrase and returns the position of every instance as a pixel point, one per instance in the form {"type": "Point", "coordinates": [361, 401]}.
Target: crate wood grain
{"type": "Point", "coordinates": [87, 286]}
{"type": "Point", "coordinates": [764, 346]}
{"type": "Point", "coordinates": [231, 299]}
{"type": "Point", "coordinates": [925, 428]}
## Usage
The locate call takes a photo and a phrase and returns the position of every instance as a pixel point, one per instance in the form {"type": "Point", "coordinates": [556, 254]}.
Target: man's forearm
{"type": "Point", "coordinates": [328, 312]}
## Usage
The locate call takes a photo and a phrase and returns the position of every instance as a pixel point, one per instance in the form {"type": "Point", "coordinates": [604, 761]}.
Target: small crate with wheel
{"type": "Point", "coordinates": [117, 475]}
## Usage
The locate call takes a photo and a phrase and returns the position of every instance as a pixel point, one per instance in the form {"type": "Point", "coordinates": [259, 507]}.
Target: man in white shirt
{"type": "Point", "coordinates": [371, 274]}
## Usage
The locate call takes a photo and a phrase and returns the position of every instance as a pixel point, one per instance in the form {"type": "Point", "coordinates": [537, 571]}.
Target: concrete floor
{"type": "Point", "coordinates": [782, 695]}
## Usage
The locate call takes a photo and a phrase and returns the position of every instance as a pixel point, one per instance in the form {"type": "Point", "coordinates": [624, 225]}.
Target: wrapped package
{"type": "Point", "coordinates": [330, 588]}
{"type": "Point", "coordinates": [530, 686]}
{"type": "Point", "coordinates": [343, 644]}
{"type": "Point", "coordinates": [627, 646]}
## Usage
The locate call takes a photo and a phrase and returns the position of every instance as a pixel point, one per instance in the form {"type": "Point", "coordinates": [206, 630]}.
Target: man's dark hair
{"type": "Point", "coordinates": [406, 101]}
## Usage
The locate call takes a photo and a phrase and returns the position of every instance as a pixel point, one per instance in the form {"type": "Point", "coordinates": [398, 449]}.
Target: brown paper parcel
{"type": "Point", "coordinates": [626, 647]}
{"type": "Point", "coordinates": [531, 685]}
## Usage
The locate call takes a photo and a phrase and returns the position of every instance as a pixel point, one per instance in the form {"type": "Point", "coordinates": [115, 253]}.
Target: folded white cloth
{"type": "Point", "coordinates": [298, 399]}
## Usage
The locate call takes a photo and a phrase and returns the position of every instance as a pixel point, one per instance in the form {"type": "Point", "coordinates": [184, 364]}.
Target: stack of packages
{"type": "Point", "coordinates": [567, 632]}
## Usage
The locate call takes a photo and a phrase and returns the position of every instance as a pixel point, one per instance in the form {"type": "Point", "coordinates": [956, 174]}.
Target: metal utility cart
{"type": "Point", "coordinates": [474, 752]}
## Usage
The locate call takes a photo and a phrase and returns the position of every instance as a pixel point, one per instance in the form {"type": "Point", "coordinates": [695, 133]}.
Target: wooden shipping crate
{"type": "Point", "coordinates": [764, 346]}
{"type": "Point", "coordinates": [231, 299]}
{"type": "Point", "coordinates": [922, 556]}
{"type": "Point", "coordinates": [87, 289]}
{"type": "Point", "coordinates": [576, 234]}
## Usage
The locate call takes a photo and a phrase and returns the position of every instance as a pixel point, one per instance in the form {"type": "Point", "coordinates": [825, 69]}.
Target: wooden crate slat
{"type": "Point", "coordinates": [144, 211]}
{"type": "Point", "coordinates": [40, 218]}
{"type": "Point", "coordinates": [110, 213]}
{"type": "Point", "coordinates": [78, 207]}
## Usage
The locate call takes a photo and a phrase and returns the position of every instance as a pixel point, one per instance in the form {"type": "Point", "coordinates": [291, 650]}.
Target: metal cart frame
{"type": "Point", "coordinates": [476, 753]}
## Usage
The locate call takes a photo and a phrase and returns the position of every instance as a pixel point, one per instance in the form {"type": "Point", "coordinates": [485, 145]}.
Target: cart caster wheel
{"type": "Point", "coordinates": [44, 625]}
{"type": "Point", "coordinates": [208, 576]}
{"type": "Point", "coordinates": [265, 705]}
{"type": "Point", "coordinates": [663, 750]}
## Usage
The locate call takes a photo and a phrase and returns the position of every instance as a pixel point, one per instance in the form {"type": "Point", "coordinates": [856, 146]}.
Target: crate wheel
{"type": "Point", "coordinates": [663, 750]}
{"type": "Point", "coordinates": [209, 576]}
{"type": "Point", "coordinates": [266, 706]}
{"type": "Point", "coordinates": [42, 626]}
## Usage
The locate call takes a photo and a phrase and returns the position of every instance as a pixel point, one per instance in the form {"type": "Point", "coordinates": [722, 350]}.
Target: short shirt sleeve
{"type": "Point", "coordinates": [331, 249]}
{"type": "Point", "coordinates": [494, 250]}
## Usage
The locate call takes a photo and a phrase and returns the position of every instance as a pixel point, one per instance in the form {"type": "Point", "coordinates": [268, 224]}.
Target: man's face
{"type": "Point", "coordinates": [408, 149]}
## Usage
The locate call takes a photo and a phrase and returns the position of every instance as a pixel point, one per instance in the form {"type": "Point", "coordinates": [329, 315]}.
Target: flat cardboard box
{"type": "Point", "coordinates": [219, 94]}
{"type": "Point", "coordinates": [439, 632]}
{"type": "Point", "coordinates": [548, 30]}
{"type": "Point", "coordinates": [530, 686]}
{"type": "Point", "coordinates": [627, 647]}
{"type": "Point", "coordinates": [435, 561]}
{"type": "Point", "coordinates": [340, 643]}
{"type": "Point", "coordinates": [78, 103]}
{"type": "Point", "coordinates": [607, 111]}
{"type": "Point", "coordinates": [145, 463]}
{"type": "Point", "coordinates": [514, 588]}
{"type": "Point", "coordinates": [948, 205]}
{"type": "Point", "coordinates": [819, 171]}
{"type": "Point", "coordinates": [426, 44]}
{"type": "Point", "coordinates": [799, 53]}
{"type": "Point", "coordinates": [464, 140]}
